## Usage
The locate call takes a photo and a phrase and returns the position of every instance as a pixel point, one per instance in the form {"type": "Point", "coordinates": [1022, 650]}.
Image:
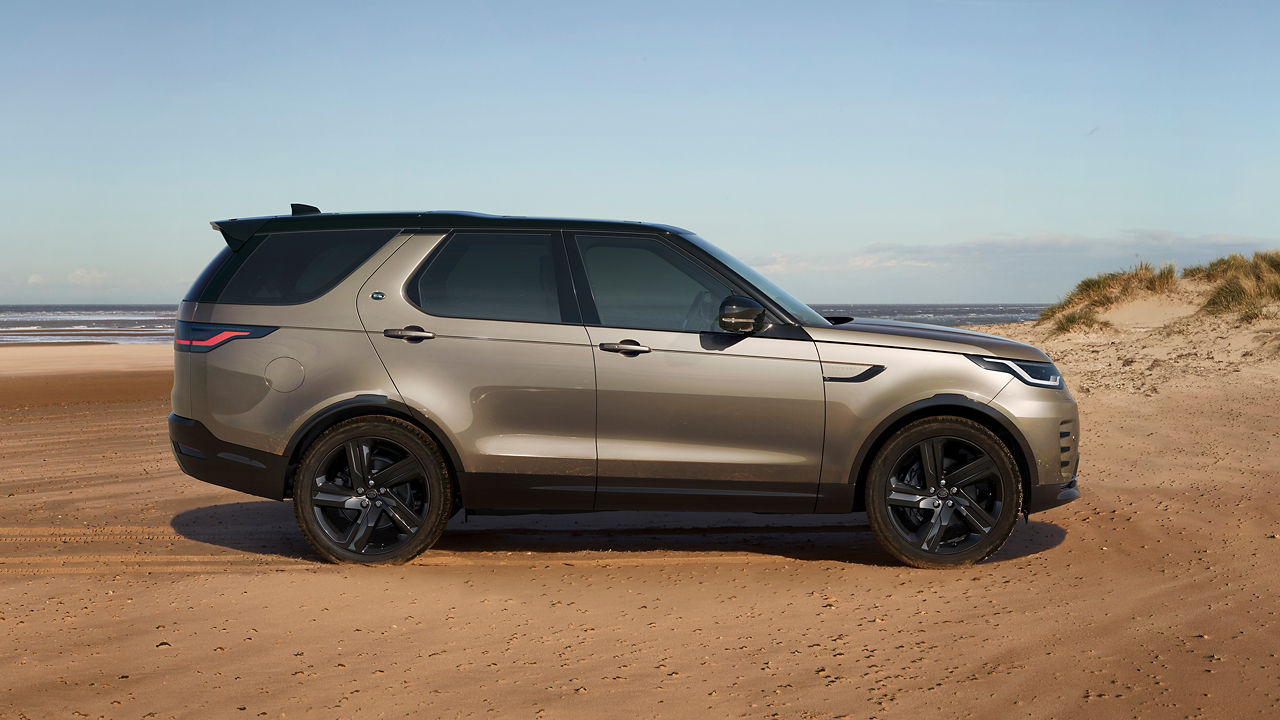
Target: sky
{"type": "Point", "coordinates": [856, 152]}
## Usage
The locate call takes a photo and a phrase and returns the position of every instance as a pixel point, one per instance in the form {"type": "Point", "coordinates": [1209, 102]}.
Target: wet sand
{"type": "Point", "coordinates": [130, 589]}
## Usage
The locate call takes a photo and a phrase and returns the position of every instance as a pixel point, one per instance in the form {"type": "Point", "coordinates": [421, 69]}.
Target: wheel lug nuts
{"type": "Point", "coordinates": [370, 483]}
{"type": "Point", "coordinates": [359, 491]}
{"type": "Point", "coordinates": [364, 503]}
{"type": "Point", "coordinates": [949, 503]}
{"type": "Point", "coordinates": [937, 503]}
{"type": "Point", "coordinates": [378, 504]}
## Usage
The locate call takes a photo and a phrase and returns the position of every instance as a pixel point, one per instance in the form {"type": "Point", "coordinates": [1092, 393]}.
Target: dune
{"type": "Point", "coordinates": [127, 589]}
{"type": "Point", "coordinates": [1150, 339]}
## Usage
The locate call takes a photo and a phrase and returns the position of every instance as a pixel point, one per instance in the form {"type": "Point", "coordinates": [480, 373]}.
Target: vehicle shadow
{"type": "Point", "coordinates": [264, 527]}
{"type": "Point", "coordinates": [268, 528]}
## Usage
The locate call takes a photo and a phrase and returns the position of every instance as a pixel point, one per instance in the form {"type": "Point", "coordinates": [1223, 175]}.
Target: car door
{"type": "Point", "coordinates": [692, 417]}
{"type": "Point", "coordinates": [484, 339]}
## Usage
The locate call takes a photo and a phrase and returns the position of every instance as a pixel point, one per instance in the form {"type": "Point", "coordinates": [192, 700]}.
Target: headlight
{"type": "Point", "coordinates": [1037, 374]}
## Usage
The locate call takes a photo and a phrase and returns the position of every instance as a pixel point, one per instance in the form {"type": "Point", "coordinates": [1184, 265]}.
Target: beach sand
{"type": "Point", "coordinates": [129, 589]}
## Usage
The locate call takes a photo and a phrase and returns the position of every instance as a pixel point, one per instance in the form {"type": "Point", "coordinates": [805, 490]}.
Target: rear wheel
{"type": "Point", "coordinates": [943, 492]}
{"type": "Point", "coordinates": [372, 490]}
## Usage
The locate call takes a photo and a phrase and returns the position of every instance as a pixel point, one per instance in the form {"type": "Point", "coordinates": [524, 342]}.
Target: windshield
{"type": "Point", "coordinates": [805, 314]}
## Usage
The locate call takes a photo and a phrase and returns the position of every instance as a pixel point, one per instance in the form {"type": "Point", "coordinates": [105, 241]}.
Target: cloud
{"type": "Point", "coordinates": [779, 264]}
{"type": "Point", "coordinates": [37, 279]}
{"type": "Point", "coordinates": [1039, 267]}
{"type": "Point", "coordinates": [1152, 245]}
{"type": "Point", "coordinates": [81, 276]}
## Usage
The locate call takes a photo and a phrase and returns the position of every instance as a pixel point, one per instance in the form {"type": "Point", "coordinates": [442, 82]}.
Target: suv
{"type": "Point", "coordinates": [387, 369]}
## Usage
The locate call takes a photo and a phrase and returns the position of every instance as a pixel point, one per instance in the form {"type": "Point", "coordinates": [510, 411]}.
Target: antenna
{"type": "Point", "coordinates": [301, 209]}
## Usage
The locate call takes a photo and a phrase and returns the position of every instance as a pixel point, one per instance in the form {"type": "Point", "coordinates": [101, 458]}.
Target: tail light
{"type": "Point", "coordinates": [203, 337]}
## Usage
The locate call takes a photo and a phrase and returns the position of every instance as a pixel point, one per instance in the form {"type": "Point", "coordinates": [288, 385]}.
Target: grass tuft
{"type": "Point", "coordinates": [1163, 280]}
{"type": "Point", "coordinates": [1085, 318]}
{"type": "Point", "coordinates": [1244, 286]}
{"type": "Point", "coordinates": [1233, 293]}
{"type": "Point", "coordinates": [1219, 269]}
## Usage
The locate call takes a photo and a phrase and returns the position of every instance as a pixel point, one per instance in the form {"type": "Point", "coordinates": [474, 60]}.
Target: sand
{"type": "Point", "coordinates": [130, 590]}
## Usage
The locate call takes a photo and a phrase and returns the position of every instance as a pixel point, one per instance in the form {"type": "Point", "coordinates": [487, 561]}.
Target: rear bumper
{"type": "Point", "coordinates": [204, 457]}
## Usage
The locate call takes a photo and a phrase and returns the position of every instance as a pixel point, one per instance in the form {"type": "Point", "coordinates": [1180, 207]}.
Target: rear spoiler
{"type": "Point", "coordinates": [237, 231]}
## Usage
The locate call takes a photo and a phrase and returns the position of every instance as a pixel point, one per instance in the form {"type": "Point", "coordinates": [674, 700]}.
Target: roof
{"type": "Point", "coordinates": [237, 231]}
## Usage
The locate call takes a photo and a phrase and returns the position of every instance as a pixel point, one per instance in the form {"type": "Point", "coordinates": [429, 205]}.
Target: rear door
{"type": "Point", "coordinates": [481, 334]}
{"type": "Point", "coordinates": [695, 418]}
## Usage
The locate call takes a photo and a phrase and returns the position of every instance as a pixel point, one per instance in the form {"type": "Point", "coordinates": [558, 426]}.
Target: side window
{"type": "Point", "coordinates": [493, 276]}
{"type": "Point", "coordinates": [293, 267]}
{"type": "Point", "coordinates": [644, 283]}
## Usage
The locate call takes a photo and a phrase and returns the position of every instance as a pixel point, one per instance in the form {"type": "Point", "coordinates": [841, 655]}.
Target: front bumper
{"type": "Point", "coordinates": [1044, 497]}
{"type": "Point", "coordinates": [1049, 423]}
{"type": "Point", "coordinates": [204, 457]}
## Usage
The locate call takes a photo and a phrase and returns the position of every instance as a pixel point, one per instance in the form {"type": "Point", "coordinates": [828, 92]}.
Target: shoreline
{"type": "Point", "coordinates": [168, 341]}
{"type": "Point", "coordinates": [154, 325]}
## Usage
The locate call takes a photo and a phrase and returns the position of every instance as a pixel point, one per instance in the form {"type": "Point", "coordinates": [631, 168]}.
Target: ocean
{"type": "Point", "coordinates": [949, 315]}
{"type": "Point", "coordinates": [87, 323]}
{"type": "Point", "coordinates": [154, 323]}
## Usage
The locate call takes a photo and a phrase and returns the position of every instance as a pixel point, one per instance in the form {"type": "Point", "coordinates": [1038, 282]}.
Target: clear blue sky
{"type": "Point", "coordinates": [857, 152]}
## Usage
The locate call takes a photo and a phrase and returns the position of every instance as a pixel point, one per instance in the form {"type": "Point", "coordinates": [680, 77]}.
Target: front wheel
{"type": "Point", "coordinates": [372, 490]}
{"type": "Point", "coordinates": [943, 492]}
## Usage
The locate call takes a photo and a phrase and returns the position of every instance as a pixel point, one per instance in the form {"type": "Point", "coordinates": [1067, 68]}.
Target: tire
{"type": "Point", "coordinates": [943, 492]}
{"type": "Point", "coordinates": [393, 506]}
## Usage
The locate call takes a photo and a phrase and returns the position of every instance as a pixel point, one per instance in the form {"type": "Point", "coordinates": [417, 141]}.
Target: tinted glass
{"type": "Point", "coordinates": [292, 268]}
{"type": "Point", "coordinates": [492, 276]}
{"type": "Point", "coordinates": [197, 287]}
{"type": "Point", "coordinates": [803, 313]}
{"type": "Point", "coordinates": [645, 283]}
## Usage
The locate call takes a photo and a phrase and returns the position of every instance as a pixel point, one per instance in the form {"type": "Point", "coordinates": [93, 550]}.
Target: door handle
{"type": "Point", "coordinates": [412, 333]}
{"type": "Point", "coordinates": [626, 347]}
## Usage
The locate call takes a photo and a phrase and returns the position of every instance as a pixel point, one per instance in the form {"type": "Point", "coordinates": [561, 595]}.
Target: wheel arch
{"type": "Point", "coordinates": [364, 406]}
{"type": "Point", "coordinates": [940, 406]}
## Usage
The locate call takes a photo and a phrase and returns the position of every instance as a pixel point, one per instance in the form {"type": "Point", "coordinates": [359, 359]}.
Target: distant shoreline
{"type": "Point", "coordinates": [143, 324]}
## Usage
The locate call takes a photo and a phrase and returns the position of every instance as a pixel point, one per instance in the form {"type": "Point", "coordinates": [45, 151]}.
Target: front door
{"type": "Point", "coordinates": [693, 418]}
{"type": "Point", "coordinates": [485, 340]}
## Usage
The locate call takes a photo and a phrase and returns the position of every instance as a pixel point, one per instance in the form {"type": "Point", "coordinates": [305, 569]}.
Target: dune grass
{"type": "Point", "coordinates": [1241, 285]}
{"type": "Point", "coordinates": [1079, 309]}
{"type": "Point", "coordinates": [1234, 264]}
{"type": "Point", "coordinates": [1079, 319]}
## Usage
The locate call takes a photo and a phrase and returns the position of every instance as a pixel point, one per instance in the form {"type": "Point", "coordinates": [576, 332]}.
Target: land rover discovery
{"type": "Point", "coordinates": [387, 369]}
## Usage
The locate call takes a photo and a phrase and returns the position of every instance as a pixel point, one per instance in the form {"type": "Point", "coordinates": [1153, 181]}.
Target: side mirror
{"type": "Point", "coordinates": [741, 315]}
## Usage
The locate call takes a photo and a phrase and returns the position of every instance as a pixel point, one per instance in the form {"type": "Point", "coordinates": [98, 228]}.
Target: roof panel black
{"type": "Point", "coordinates": [237, 231]}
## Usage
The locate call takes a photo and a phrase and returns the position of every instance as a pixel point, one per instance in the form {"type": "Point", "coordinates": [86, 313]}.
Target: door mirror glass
{"type": "Point", "coordinates": [740, 314]}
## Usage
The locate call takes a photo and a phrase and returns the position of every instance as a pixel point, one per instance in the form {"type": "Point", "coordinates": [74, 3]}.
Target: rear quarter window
{"type": "Point", "coordinates": [513, 276]}
{"type": "Point", "coordinates": [292, 268]}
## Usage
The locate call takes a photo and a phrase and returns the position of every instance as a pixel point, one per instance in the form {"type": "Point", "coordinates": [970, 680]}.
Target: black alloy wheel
{"type": "Point", "coordinates": [372, 490]}
{"type": "Point", "coordinates": [943, 492]}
